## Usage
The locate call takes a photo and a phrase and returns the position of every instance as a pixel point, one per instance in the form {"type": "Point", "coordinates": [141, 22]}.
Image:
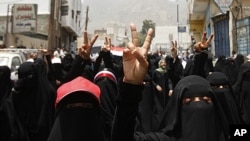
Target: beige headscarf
{"type": "Point", "coordinates": [160, 69]}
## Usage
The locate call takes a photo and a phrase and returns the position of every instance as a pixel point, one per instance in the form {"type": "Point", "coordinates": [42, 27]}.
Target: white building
{"type": "Point", "coordinates": [114, 30]}
{"type": "Point", "coordinates": [164, 35]}
{"type": "Point", "coordinates": [118, 31]}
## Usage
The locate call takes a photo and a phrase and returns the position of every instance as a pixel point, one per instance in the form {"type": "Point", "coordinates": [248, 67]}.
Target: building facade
{"type": "Point", "coordinates": [58, 20]}
{"type": "Point", "coordinates": [240, 11]}
{"type": "Point", "coordinates": [227, 19]}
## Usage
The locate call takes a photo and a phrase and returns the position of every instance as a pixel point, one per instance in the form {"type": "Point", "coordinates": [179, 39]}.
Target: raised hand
{"type": "Point", "coordinates": [204, 43]}
{"type": "Point", "coordinates": [174, 49]}
{"type": "Point", "coordinates": [107, 45]}
{"type": "Point", "coordinates": [85, 49]}
{"type": "Point", "coordinates": [135, 63]}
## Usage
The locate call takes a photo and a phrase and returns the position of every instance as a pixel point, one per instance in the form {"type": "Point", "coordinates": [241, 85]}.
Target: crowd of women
{"type": "Point", "coordinates": [139, 97]}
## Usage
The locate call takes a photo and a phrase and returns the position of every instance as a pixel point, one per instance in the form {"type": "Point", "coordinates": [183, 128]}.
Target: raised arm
{"type": "Point", "coordinates": [82, 58]}
{"type": "Point", "coordinates": [174, 66]}
{"type": "Point", "coordinates": [135, 64]}
{"type": "Point", "coordinates": [200, 57]}
{"type": "Point", "coordinates": [135, 67]}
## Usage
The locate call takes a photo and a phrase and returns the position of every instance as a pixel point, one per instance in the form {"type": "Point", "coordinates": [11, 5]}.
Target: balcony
{"type": "Point", "coordinates": [197, 10]}
{"type": "Point", "coordinates": [70, 25]}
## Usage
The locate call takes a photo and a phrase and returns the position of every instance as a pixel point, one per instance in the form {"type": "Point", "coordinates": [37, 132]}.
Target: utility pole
{"type": "Point", "coordinates": [7, 27]}
{"type": "Point", "coordinates": [87, 19]}
{"type": "Point", "coordinates": [51, 32]}
{"type": "Point", "coordinates": [177, 11]}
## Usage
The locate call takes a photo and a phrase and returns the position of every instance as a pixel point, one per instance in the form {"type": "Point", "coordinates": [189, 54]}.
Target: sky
{"type": "Point", "coordinates": [162, 12]}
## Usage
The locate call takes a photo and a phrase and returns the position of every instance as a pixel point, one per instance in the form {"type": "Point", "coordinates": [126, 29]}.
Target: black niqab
{"type": "Point", "coordinates": [34, 99]}
{"type": "Point", "coordinates": [242, 92]}
{"type": "Point", "coordinates": [5, 83]}
{"type": "Point", "coordinates": [77, 123]}
{"type": "Point", "coordinates": [225, 96]}
{"type": "Point", "coordinates": [195, 121]}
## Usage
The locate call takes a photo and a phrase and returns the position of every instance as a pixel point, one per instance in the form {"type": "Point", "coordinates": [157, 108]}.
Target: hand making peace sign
{"type": "Point", "coordinates": [204, 43]}
{"type": "Point", "coordinates": [107, 45]}
{"type": "Point", "coordinates": [135, 63]}
{"type": "Point", "coordinates": [174, 49]}
{"type": "Point", "coordinates": [85, 49]}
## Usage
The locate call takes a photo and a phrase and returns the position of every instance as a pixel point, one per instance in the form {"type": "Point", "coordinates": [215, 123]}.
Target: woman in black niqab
{"type": "Point", "coordinates": [78, 116]}
{"type": "Point", "coordinates": [34, 99]}
{"type": "Point", "coordinates": [193, 112]}
{"type": "Point", "coordinates": [5, 89]}
{"type": "Point", "coordinates": [5, 83]}
{"type": "Point", "coordinates": [239, 60]}
{"type": "Point", "coordinates": [107, 82]}
{"type": "Point", "coordinates": [224, 92]}
{"type": "Point", "coordinates": [220, 63]}
{"type": "Point", "coordinates": [242, 91]}
{"type": "Point", "coordinates": [228, 67]}
{"type": "Point", "coordinates": [48, 92]}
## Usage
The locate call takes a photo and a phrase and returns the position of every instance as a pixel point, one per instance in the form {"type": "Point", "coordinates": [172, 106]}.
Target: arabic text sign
{"type": "Point", "coordinates": [24, 18]}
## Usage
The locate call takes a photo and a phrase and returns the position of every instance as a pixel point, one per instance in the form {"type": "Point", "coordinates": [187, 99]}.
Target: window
{"type": "Point", "coordinates": [243, 36]}
{"type": "Point", "coordinates": [73, 14]}
{"type": "Point", "coordinates": [78, 13]}
{"type": "Point", "coordinates": [64, 10]}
